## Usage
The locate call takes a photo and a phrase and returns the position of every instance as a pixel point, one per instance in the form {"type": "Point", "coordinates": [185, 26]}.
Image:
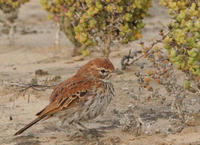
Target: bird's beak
{"type": "Point", "coordinates": [110, 75]}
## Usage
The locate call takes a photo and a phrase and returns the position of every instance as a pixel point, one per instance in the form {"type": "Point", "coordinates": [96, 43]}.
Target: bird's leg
{"type": "Point", "coordinates": [79, 131]}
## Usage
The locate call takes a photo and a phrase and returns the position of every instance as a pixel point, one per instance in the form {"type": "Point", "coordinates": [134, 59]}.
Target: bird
{"type": "Point", "coordinates": [82, 97]}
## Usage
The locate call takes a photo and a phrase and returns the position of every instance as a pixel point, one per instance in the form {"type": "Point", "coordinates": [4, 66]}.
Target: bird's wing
{"type": "Point", "coordinates": [67, 95]}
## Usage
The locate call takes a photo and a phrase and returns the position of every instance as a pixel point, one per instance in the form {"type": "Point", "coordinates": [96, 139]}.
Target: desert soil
{"type": "Point", "coordinates": [34, 49]}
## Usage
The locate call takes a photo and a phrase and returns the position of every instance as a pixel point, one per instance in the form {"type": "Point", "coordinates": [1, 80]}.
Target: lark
{"type": "Point", "coordinates": [82, 97]}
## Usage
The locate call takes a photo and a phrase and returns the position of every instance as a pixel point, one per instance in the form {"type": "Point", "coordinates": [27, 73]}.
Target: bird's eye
{"type": "Point", "coordinates": [103, 71]}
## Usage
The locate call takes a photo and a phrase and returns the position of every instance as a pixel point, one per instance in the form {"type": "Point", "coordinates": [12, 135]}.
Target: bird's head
{"type": "Point", "coordinates": [99, 68]}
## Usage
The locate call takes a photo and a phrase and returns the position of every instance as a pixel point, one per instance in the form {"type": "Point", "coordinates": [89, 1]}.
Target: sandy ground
{"type": "Point", "coordinates": [34, 50]}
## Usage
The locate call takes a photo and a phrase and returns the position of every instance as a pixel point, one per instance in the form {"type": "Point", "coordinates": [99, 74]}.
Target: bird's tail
{"type": "Point", "coordinates": [29, 125]}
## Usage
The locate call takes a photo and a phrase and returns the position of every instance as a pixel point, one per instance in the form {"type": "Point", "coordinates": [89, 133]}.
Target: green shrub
{"type": "Point", "coordinates": [183, 40]}
{"type": "Point", "coordinates": [100, 22]}
{"type": "Point", "coordinates": [9, 13]}
{"type": "Point", "coordinates": [57, 10]}
{"type": "Point", "coordinates": [8, 6]}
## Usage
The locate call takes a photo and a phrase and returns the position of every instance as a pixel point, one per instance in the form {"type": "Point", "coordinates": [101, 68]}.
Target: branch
{"type": "Point", "coordinates": [127, 58]}
{"type": "Point", "coordinates": [33, 85]}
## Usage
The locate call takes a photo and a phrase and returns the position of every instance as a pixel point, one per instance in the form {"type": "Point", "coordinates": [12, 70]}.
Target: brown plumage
{"type": "Point", "coordinates": [82, 97]}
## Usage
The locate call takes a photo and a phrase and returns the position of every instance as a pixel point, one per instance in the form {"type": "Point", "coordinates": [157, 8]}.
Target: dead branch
{"type": "Point", "coordinates": [130, 58]}
{"type": "Point", "coordinates": [34, 85]}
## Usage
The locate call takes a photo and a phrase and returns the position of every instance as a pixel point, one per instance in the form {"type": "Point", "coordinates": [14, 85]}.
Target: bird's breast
{"type": "Point", "coordinates": [97, 105]}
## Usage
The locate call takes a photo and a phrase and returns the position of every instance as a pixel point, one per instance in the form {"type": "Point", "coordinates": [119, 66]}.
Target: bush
{"type": "Point", "coordinates": [100, 22]}
{"type": "Point", "coordinates": [57, 10]}
{"type": "Point", "coordinates": [9, 12]}
{"type": "Point", "coordinates": [183, 40]}
{"type": "Point", "coordinates": [8, 6]}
